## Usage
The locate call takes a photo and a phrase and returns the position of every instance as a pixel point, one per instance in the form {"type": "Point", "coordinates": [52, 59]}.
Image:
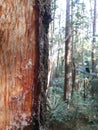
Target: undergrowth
{"type": "Point", "coordinates": [76, 114]}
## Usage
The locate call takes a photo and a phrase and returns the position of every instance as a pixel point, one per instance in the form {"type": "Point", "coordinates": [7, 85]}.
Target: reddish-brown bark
{"type": "Point", "coordinates": [19, 63]}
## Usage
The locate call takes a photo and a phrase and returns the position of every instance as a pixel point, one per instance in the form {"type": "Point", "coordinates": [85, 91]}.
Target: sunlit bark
{"type": "Point", "coordinates": [51, 58]}
{"type": "Point", "coordinates": [20, 62]}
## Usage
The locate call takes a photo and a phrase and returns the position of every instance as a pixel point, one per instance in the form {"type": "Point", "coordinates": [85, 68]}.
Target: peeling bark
{"type": "Point", "coordinates": [23, 62]}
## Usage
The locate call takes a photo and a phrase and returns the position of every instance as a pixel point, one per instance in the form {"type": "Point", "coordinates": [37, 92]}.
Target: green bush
{"type": "Point", "coordinates": [57, 109]}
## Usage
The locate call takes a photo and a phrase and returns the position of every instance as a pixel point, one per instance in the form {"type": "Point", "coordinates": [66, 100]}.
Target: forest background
{"type": "Point", "coordinates": [73, 64]}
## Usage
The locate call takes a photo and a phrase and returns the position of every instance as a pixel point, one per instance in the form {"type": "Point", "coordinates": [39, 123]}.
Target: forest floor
{"type": "Point", "coordinates": [80, 125]}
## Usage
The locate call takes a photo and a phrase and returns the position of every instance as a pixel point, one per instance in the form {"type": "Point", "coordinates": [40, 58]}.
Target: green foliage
{"type": "Point", "coordinates": [58, 82]}
{"type": "Point", "coordinates": [57, 109]}
{"type": "Point", "coordinates": [77, 112]}
{"type": "Point", "coordinates": [85, 112]}
{"type": "Point", "coordinates": [57, 87]}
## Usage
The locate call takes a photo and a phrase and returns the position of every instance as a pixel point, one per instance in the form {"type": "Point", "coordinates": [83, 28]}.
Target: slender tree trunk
{"type": "Point", "coordinates": [51, 49]}
{"type": "Point", "coordinates": [67, 53]}
{"type": "Point", "coordinates": [94, 40]}
{"type": "Point", "coordinates": [73, 51]}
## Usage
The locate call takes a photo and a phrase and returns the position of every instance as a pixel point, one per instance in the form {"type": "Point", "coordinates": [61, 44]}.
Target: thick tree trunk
{"type": "Point", "coordinates": [44, 49]}
{"type": "Point", "coordinates": [23, 63]}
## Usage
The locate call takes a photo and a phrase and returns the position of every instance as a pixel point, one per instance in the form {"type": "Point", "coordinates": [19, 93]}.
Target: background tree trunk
{"type": "Point", "coordinates": [94, 39]}
{"type": "Point", "coordinates": [67, 52]}
{"type": "Point", "coordinates": [73, 51]}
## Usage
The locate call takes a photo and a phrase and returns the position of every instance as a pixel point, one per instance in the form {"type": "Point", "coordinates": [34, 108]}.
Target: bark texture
{"type": "Point", "coordinates": [45, 13]}
{"type": "Point", "coordinates": [67, 52]}
{"type": "Point", "coordinates": [23, 62]}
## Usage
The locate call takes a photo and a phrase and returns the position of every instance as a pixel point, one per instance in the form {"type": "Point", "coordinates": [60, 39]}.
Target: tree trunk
{"type": "Point", "coordinates": [23, 59]}
{"type": "Point", "coordinates": [67, 52]}
{"type": "Point", "coordinates": [44, 52]}
{"type": "Point", "coordinates": [73, 52]}
{"type": "Point", "coordinates": [94, 40]}
{"type": "Point", "coordinates": [51, 49]}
